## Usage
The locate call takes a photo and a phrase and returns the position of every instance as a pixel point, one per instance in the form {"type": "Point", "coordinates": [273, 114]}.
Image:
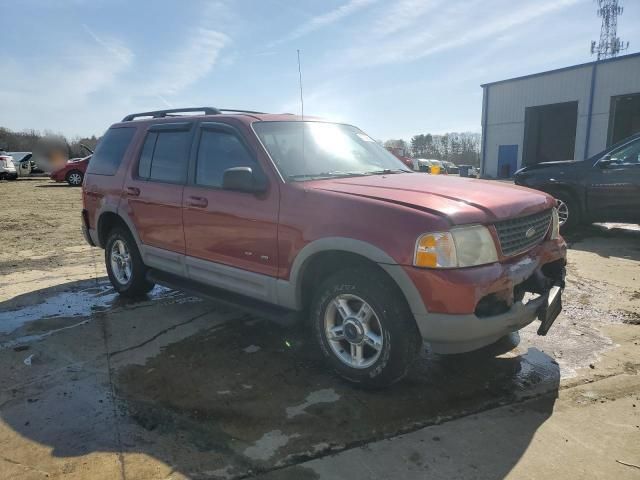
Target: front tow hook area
{"type": "Point", "coordinates": [550, 309]}
{"type": "Point", "coordinates": [550, 287]}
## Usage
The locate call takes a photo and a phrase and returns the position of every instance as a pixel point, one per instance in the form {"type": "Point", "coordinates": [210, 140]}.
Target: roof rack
{"type": "Point", "coordinates": [233, 110]}
{"type": "Point", "coordinates": [165, 113]}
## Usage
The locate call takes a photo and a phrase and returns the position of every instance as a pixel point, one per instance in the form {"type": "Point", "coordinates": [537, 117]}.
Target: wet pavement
{"type": "Point", "coordinates": [171, 386]}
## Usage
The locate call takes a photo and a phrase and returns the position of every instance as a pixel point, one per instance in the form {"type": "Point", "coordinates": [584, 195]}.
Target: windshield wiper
{"type": "Point", "coordinates": [335, 173]}
{"type": "Point", "coordinates": [386, 171]}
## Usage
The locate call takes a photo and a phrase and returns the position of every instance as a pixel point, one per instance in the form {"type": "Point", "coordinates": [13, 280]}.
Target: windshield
{"type": "Point", "coordinates": [312, 150]}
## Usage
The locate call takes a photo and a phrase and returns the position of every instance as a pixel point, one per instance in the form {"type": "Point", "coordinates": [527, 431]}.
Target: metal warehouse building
{"type": "Point", "coordinates": [569, 113]}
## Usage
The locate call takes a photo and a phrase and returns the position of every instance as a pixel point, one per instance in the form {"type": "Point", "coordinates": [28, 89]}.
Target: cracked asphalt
{"type": "Point", "coordinates": [171, 386]}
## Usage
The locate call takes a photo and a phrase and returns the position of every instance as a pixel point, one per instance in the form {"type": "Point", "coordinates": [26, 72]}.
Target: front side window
{"type": "Point", "coordinates": [110, 151]}
{"type": "Point", "coordinates": [219, 151]}
{"type": "Point", "coordinates": [315, 150]}
{"type": "Point", "coordinates": [165, 156]}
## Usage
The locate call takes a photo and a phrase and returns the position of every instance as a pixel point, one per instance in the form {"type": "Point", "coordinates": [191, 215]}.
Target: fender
{"type": "Point", "coordinates": [289, 292]}
{"type": "Point", "coordinates": [117, 210]}
{"type": "Point", "coordinates": [578, 191]}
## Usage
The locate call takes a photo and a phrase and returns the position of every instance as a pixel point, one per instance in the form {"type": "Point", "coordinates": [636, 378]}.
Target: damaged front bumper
{"type": "Point", "coordinates": [528, 289]}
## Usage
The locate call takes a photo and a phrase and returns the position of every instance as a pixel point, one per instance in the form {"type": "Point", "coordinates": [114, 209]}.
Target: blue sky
{"type": "Point", "coordinates": [394, 68]}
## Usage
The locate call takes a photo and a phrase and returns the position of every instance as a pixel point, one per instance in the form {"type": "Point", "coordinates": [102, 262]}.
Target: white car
{"type": "Point", "coordinates": [7, 168]}
{"type": "Point", "coordinates": [23, 161]}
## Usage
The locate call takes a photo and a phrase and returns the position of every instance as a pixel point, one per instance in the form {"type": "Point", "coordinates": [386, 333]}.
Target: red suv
{"type": "Point", "coordinates": [279, 213]}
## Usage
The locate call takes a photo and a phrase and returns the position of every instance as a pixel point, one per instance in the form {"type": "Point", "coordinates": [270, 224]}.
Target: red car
{"type": "Point", "coordinates": [278, 214]}
{"type": "Point", "coordinates": [73, 171]}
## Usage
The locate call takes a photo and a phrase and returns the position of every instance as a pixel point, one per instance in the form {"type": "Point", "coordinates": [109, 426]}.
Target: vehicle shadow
{"type": "Point", "coordinates": [54, 185]}
{"type": "Point", "coordinates": [246, 396]}
{"type": "Point", "coordinates": [607, 240]}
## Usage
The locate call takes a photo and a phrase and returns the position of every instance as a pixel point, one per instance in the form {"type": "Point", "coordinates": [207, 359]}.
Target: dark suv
{"type": "Point", "coordinates": [280, 214]}
{"type": "Point", "coordinates": [603, 188]}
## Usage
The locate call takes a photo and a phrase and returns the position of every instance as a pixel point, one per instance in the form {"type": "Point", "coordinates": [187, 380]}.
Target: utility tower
{"type": "Point", "coordinates": [610, 45]}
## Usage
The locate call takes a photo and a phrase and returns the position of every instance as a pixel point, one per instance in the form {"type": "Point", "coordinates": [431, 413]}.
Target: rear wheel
{"type": "Point", "coordinates": [74, 178]}
{"type": "Point", "coordinates": [125, 268]}
{"type": "Point", "coordinates": [364, 327]}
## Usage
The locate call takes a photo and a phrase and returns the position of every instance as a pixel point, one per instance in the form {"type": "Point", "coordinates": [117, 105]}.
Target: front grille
{"type": "Point", "coordinates": [513, 233]}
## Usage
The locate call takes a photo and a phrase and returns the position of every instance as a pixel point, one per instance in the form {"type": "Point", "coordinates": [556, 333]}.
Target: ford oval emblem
{"type": "Point", "coordinates": [530, 233]}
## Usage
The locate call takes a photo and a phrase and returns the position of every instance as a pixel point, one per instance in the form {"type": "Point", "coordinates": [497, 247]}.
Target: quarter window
{"type": "Point", "coordinates": [217, 152]}
{"type": "Point", "coordinates": [110, 151]}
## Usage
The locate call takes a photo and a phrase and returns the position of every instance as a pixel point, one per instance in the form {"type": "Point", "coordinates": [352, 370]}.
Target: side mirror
{"type": "Point", "coordinates": [605, 161]}
{"type": "Point", "coordinates": [242, 179]}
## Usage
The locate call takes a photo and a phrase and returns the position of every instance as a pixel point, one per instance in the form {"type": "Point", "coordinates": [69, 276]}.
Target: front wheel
{"type": "Point", "coordinates": [568, 212]}
{"type": "Point", "coordinates": [125, 268]}
{"type": "Point", "coordinates": [74, 178]}
{"type": "Point", "coordinates": [364, 327]}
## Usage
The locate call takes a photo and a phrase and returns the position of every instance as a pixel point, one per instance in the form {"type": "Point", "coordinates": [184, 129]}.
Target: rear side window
{"type": "Point", "coordinates": [165, 156]}
{"type": "Point", "coordinates": [217, 152]}
{"type": "Point", "coordinates": [110, 151]}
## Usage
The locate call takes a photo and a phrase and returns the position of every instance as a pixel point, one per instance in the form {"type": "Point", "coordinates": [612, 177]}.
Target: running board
{"type": "Point", "coordinates": [279, 315]}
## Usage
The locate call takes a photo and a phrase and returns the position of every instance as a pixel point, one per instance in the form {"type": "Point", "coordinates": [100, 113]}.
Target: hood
{"type": "Point", "coordinates": [460, 200]}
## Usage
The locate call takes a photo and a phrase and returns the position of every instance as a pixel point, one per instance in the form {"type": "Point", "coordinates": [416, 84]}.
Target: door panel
{"type": "Point", "coordinates": [156, 212]}
{"type": "Point", "coordinates": [613, 190]}
{"type": "Point", "coordinates": [233, 228]}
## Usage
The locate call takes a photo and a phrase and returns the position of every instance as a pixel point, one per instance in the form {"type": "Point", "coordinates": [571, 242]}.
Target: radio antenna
{"type": "Point", "coordinates": [300, 83]}
{"type": "Point", "coordinates": [301, 106]}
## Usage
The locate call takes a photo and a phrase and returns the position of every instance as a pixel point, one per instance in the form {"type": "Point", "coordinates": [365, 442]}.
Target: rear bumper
{"type": "Point", "coordinates": [459, 305]}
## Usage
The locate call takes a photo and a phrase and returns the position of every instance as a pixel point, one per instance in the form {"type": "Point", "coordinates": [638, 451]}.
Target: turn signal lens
{"type": "Point", "coordinates": [435, 250]}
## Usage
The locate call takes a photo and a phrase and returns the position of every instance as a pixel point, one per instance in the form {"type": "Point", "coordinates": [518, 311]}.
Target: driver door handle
{"type": "Point", "coordinates": [133, 191]}
{"type": "Point", "coordinates": [197, 202]}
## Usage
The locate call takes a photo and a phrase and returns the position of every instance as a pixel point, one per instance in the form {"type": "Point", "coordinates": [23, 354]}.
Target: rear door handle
{"type": "Point", "coordinates": [133, 191]}
{"type": "Point", "coordinates": [197, 202]}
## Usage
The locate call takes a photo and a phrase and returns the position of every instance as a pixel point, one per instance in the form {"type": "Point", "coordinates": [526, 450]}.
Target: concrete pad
{"type": "Point", "coordinates": [581, 436]}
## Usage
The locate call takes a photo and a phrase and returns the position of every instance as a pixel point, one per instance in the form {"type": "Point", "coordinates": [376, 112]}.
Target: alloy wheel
{"type": "Point", "coordinates": [121, 263]}
{"type": "Point", "coordinates": [563, 212]}
{"type": "Point", "coordinates": [353, 331]}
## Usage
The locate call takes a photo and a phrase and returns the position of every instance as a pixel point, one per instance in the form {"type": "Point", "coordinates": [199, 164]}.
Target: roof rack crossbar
{"type": "Point", "coordinates": [164, 113]}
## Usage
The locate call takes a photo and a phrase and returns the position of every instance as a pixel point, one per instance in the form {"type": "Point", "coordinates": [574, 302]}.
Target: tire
{"type": "Point", "coordinates": [74, 178]}
{"type": "Point", "coordinates": [131, 282]}
{"type": "Point", "coordinates": [391, 323]}
{"type": "Point", "coordinates": [568, 203]}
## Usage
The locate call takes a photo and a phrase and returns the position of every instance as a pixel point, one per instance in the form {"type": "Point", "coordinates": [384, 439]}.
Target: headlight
{"type": "Point", "coordinates": [459, 247]}
{"type": "Point", "coordinates": [555, 224]}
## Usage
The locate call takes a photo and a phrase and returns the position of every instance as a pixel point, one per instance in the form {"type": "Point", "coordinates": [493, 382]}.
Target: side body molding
{"type": "Point", "coordinates": [289, 292]}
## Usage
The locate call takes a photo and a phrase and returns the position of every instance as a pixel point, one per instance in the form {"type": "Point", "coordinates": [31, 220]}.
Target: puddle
{"type": "Point", "coordinates": [79, 303]}
{"type": "Point", "coordinates": [297, 405]}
